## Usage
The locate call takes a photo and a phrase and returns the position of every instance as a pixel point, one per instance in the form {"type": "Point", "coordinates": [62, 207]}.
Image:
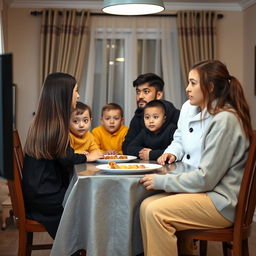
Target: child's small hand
{"type": "Point", "coordinates": [111, 152]}
{"type": "Point", "coordinates": [94, 155]}
{"type": "Point", "coordinates": [144, 153]}
{"type": "Point", "coordinates": [84, 152]}
{"type": "Point", "coordinates": [166, 158]}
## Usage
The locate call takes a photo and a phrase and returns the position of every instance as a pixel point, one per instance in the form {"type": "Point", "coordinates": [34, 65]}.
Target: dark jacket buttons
{"type": "Point", "coordinates": [191, 129]}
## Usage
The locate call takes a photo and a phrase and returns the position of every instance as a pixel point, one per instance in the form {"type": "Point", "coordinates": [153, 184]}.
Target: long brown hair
{"type": "Point", "coordinates": [217, 84]}
{"type": "Point", "coordinates": [48, 134]}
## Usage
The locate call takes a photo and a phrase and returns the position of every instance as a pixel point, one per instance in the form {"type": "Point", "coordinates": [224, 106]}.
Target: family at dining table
{"type": "Point", "coordinates": [211, 132]}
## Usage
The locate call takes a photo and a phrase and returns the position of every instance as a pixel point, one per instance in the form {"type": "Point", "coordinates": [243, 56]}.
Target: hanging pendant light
{"type": "Point", "coordinates": [132, 7]}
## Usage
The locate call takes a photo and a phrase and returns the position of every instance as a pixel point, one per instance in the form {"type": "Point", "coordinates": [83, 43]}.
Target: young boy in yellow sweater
{"type": "Point", "coordinates": [81, 139]}
{"type": "Point", "coordinates": [110, 135]}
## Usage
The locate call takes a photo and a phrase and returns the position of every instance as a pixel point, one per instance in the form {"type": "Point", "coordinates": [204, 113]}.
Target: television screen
{"type": "Point", "coordinates": [6, 116]}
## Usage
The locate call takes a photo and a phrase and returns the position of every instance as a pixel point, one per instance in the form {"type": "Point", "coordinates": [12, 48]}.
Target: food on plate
{"type": "Point", "coordinates": [114, 165]}
{"type": "Point", "coordinates": [115, 157]}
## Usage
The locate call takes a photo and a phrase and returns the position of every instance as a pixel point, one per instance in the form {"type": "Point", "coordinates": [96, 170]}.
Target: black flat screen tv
{"type": "Point", "coordinates": [6, 116]}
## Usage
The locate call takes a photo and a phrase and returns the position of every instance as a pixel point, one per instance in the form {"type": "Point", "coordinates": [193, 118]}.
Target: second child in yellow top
{"type": "Point", "coordinates": [81, 139]}
{"type": "Point", "coordinates": [111, 133]}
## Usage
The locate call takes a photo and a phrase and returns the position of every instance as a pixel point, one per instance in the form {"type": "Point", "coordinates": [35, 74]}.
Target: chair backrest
{"type": "Point", "coordinates": [247, 195]}
{"type": "Point", "coordinates": [14, 185]}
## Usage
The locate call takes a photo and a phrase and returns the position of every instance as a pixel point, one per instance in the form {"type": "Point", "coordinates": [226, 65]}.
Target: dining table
{"type": "Point", "coordinates": [101, 210]}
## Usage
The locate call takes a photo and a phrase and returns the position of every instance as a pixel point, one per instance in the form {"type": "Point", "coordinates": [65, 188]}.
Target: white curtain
{"type": "Point", "coordinates": [121, 48]}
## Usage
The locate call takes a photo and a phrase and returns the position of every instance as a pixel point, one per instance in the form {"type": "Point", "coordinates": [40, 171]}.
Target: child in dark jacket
{"type": "Point", "coordinates": [151, 142]}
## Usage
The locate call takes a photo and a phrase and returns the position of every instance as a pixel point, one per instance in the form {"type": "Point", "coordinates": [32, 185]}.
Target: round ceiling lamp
{"type": "Point", "coordinates": [132, 7]}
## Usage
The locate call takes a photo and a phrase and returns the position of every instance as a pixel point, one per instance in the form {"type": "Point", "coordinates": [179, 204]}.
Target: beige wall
{"type": "Point", "coordinates": [249, 59]}
{"type": "Point", "coordinates": [236, 33]}
{"type": "Point", "coordinates": [236, 42]}
{"type": "Point", "coordinates": [23, 42]}
{"type": "Point", "coordinates": [230, 42]}
{"type": "Point", "coordinates": [5, 11]}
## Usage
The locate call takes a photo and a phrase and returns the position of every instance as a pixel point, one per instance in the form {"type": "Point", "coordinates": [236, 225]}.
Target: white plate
{"type": "Point", "coordinates": [149, 167]}
{"type": "Point", "coordinates": [129, 158]}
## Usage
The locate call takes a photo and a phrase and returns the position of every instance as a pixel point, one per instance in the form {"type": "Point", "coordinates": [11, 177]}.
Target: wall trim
{"type": "Point", "coordinates": [246, 3]}
{"type": "Point", "coordinates": [97, 5]}
{"type": "Point", "coordinates": [56, 4]}
{"type": "Point", "coordinates": [202, 6]}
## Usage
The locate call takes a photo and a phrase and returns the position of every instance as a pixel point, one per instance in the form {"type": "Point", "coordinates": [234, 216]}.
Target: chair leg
{"type": "Point", "coordinates": [22, 242]}
{"type": "Point", "coordinates": [203, 248]}
{"type": "Point", "coordinates": [226, 248]}
{"type": "Point", "coordinates": [245, 248]}
{"type": "Point", "coordinates": [29, 243]}
{"type": "Point", "coordinates": [237, 248]}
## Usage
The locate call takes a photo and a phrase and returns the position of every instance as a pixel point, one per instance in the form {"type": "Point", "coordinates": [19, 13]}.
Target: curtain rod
{"type": "Point", "coordinates": [37, 13]}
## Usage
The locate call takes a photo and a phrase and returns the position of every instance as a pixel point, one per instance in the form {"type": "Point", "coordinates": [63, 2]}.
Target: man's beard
{"type": "Point", "coordinates": [138, 103]}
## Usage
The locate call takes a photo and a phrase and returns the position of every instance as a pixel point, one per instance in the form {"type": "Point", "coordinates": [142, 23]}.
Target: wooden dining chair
{"type": "Point", "coordinates": [26, 226]}
{"type": "Point", "coordinates": [234, 238]}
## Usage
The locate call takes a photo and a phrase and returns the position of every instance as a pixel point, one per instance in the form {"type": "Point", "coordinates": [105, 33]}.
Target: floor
{"type": "Point", "coordinates": [9, 236]}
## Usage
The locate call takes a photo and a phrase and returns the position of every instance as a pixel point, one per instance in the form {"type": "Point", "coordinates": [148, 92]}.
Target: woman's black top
{"type": "Point", "coordinates": [44, 184]}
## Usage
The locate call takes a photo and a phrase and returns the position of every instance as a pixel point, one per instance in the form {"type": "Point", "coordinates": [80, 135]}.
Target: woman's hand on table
{"type": "Point", "coordinates": [94, 155]}
{"type": "Point", "coordinates": [148, 181]}
{"type": "Point", "coordinates": [166, 158]}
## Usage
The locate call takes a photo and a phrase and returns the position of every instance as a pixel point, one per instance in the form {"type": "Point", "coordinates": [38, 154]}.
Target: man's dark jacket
{"type": "Point", "coordinates": [137, 123]}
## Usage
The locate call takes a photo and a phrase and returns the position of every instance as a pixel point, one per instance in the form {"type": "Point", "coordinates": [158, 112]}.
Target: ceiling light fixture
{"type": "Point", "coordinates": [132, 7]}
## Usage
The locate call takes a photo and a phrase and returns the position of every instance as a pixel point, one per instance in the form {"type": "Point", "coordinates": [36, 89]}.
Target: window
{"type": "Point", "coordinates": [119, 52]}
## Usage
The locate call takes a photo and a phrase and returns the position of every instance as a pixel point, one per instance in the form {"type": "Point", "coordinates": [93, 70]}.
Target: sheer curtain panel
{"type": "Point", "coordinates": [64, 37]}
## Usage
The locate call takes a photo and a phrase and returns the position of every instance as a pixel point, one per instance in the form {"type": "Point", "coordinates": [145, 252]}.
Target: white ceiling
{"type": "Point", "coordinates": [170, 5]}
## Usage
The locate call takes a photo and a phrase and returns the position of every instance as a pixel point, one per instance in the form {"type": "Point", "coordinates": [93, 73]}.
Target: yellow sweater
{"type": "Point", "coordinates": [106, 140]}
{"type": "Point", "coordinates": [86, 143]}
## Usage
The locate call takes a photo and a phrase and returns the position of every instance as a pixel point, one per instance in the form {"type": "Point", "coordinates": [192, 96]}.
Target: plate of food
{"type": "Point", "coordinates": [116, 158]}
{"type": "Point", "coordinates": [113, 167]}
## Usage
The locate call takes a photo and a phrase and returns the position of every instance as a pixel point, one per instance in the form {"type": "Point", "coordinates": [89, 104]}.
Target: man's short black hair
{"type": "Point", "coordinates": [150, 78]}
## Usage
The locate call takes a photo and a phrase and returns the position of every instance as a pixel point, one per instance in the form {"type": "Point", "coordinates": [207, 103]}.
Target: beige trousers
{"type": "Point", "coordinates": [162, 214]}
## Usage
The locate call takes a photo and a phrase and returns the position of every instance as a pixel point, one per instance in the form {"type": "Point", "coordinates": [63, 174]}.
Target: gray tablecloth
{"type": "Point", "coordinates": [101, 215]}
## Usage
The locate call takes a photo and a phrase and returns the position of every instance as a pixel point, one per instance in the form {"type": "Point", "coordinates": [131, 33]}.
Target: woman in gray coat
{"type": "Point", "coordinates": [206, 197]}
